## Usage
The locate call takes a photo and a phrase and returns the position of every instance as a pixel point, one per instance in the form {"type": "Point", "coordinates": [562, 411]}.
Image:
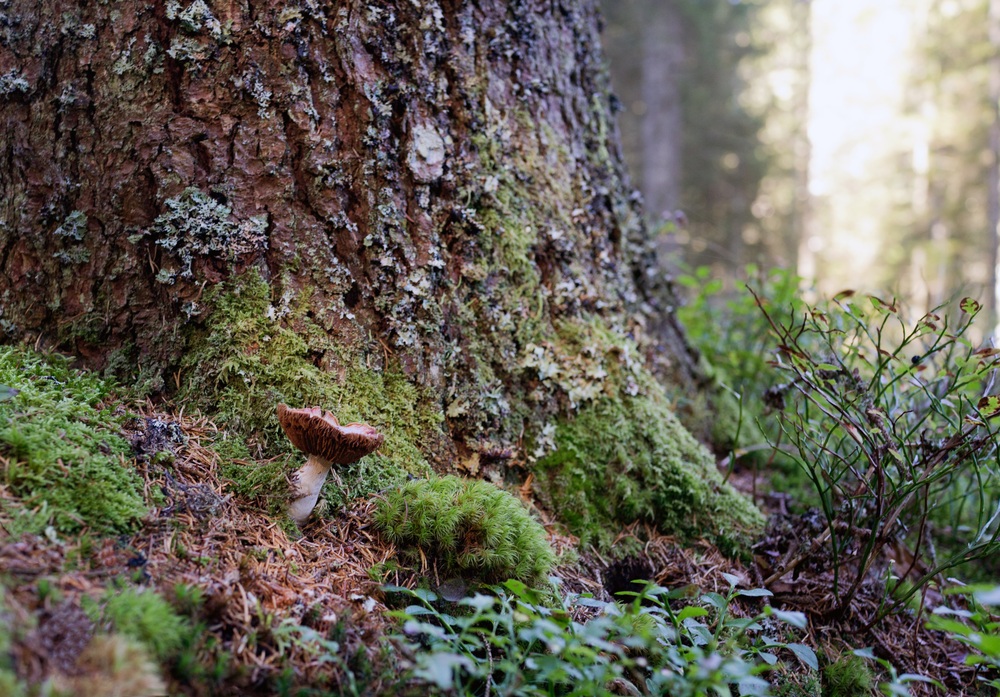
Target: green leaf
{"type": "Point", "coordinates": [827, 366]}
{"type": "Point", "coordinates": [715, 600]}
{"type": "Point", "coordinates": [691, 611]}
{"type": "Point", "coordinates": [479, 602]}
{"type": "Point", "coordinates": [796, 619]}
{"type": "Point", "coordinates": [733, 579]}
{"type": "Point", "coordinates": [756, 593]}
{"type": "Point", "coordinates": [805, 654]}
{"type": "Point", "coordinates": [970, 306]}
{"type": "Point", "coordinates": [439, 668]}
{"type": "Point", "coordinates": [768, 658]}
{"type": "Point", "coordinates": [881, 305]}
{"type": "Point", "coordinates": [988, 597]}
{"type": "Point", "coordinates": [989, 406]}
{"type": "Point", "coordinates": [425, 595]}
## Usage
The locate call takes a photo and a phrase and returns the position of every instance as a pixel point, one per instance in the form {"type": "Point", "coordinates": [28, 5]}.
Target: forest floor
{"type": "Point", "coordinates": [258, 578]}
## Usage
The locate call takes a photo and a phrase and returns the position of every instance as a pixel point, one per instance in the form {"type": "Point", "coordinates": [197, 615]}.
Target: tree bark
{"type": "Point", "coordinates": [434, 187]}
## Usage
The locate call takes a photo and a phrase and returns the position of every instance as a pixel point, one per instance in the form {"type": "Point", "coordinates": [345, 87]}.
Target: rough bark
{"type": "Point", "coordinates": [433, 187]}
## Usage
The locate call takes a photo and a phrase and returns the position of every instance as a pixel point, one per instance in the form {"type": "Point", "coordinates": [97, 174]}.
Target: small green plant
{"type": "Point", "coordinates": [511, 643]}
{"type": "Point", "coordinates": [892, 421]}
{"type": "Point", "coordinates": [848, 676]}
{"type": "Point", "coordinates": [146, 617]}
{"type": "Point", "coordinates": [978, 627]}
{"type": "Point", "coordinates": [735, 343]}
{"type": "Point", "coordinates": [62, 452]}
{"type": "Point", "coordinates": [727, 327]}
{"type": "Point", "coordinates": [470, 527]}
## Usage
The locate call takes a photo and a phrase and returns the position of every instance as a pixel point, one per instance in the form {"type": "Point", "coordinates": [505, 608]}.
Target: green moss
{"type": "Point", "coordinates": [246, 362]}
{"type": "Point", "coordinates": [624, 455]}
{"type": "Point", "coordinates": [470, 527]}
{"type": "Point", "coordinates": [627, 459]}
{"type": "Point", "coordinates": [849, 676]}
{"type": "Point", "coordinates": [146, 617]}
{"type": "Point", "coordinates": [793, 682]}
{"type": "Point", "coordinates": [62, 449]}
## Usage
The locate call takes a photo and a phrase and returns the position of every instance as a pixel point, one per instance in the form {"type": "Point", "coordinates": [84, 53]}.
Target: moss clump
{"type": "Point", "coordinates": [622, 454]}
{"type": "Point", "coordinates": [246, 362]}
{"type": "Point", "coordinates": [627, 459]}
{"type": "Point", "coordinates": [61, 448]}
{"type": "Point", "coordinates": [849, 676]}
{"type": "Point", "coordinates": [470, 526]}
{"type": "Point", "coordinates": [147, 618]}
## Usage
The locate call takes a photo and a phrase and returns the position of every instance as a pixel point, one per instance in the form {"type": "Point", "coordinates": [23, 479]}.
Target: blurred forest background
{"type": "Point", "coordinates": [853, 142]}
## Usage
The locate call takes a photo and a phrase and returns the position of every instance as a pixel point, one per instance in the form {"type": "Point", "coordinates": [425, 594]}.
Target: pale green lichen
{"type": "Point", "coordinates": [196, 225]}
{"type": "Point", "coordinates": [73, 229]}
{"type": "Point", "coordinates": [13, 81]}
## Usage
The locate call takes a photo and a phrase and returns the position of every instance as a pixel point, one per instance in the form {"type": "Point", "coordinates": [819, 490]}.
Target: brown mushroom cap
{"type": "Point", "coordinates": [317, 432]}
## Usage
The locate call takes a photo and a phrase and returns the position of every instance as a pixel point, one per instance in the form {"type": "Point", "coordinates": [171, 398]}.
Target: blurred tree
{"type": "Point", "coordinates": [948, 242]}
{"type": "Point", "coordinates": [701, 116]}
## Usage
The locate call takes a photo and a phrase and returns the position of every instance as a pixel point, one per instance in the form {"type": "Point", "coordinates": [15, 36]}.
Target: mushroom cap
{"type": "Point", "coordinates": [317, 432]}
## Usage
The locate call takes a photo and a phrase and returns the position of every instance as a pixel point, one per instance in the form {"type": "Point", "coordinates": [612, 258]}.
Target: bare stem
{"type": "Point", "coordinates": [307, 482]}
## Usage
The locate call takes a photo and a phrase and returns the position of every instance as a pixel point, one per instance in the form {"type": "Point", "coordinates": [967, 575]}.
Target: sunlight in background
{"type": "Point", "coordinates": [860, 67]}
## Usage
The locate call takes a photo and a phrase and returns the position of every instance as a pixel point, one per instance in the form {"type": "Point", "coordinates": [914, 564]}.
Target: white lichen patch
{"type": "Point", "coordinates": [426, 152]}
{"type": "Point", "coordinates": [582, 374]}
{"type": "Point", "coordinates": [194, 224]}
{"type": "Point", "coordinates": [13, 81]}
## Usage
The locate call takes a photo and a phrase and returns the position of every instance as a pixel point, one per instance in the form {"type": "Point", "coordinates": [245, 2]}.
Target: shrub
{"type": "Point", "coordinates": [893, 422]}
{"type": "Point", "coordinates": [470, 526]}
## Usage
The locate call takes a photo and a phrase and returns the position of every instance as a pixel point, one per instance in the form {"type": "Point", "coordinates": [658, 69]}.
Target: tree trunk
{"type": "Point", "coordinates": [421, 204]}
{"type": "Point", "coordinates": [993, 181]}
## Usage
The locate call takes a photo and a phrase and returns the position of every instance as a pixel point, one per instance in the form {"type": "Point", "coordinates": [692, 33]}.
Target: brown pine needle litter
{"type": "Point", "coordinates": [256, 578]}
{"type": "Point", "coordinates": [253, 574]}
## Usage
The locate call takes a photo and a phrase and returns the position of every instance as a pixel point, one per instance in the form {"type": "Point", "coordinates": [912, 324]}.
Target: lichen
{"type": "Point", "coordinates": [195, 224]}
{"type": "Point", "coordinates": [73, 230]}
{"type": "Point", "coordinates": [13, 81]}
{"type": "Point", "coordinates": [62, 452]}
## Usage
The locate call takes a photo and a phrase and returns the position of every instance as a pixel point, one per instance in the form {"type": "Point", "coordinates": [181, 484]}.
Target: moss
{"type": "Point", "coordinates": [146, 617]}
{"type": "Point", "coordinates": [627, 459]}
{"type": "Point", "coordinates": [470, 527]}
{"type": "Point", "coordinates": [624, 455]}
{"type": "Point", "coordinates": [246, 362]}
{"type": "Point", "coordinates": [64, 455]}
{"type": "Point", "coordinates": [789, 683]}
{"type": "Point", "coordinates": [849, 676]}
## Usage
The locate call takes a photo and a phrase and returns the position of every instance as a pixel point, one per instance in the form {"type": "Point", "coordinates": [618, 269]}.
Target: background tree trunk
{"type": "Point", "coordinates": [429, 189]}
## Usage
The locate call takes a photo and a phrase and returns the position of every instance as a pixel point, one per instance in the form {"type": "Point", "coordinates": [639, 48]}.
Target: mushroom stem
{"type": "Point", "coordinates": [307, 483]}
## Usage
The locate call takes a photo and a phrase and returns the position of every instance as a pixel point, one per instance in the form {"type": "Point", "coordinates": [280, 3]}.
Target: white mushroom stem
{"type": "Point", "coordinates": [307, 483]}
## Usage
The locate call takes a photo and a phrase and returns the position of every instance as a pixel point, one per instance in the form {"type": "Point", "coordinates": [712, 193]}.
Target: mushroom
{"type": "Point", "coordinates": [319, 435]}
